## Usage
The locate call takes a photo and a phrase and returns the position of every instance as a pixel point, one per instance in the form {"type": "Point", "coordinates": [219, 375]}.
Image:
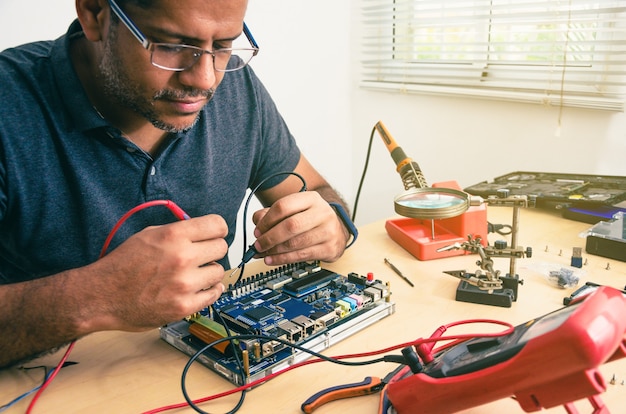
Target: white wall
{"type": "Point", "coordinates": [305, 64]}
{"type": "Point", "coordinates": [31, 20]}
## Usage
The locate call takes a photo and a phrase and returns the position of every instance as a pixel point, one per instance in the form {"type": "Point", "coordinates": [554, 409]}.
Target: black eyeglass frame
{"type": "Point", "coordinates": [176, 48]}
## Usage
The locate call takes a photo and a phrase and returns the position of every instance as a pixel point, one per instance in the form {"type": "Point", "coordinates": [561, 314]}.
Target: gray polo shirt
{"type": "Point", "coordinates": [67, 176]}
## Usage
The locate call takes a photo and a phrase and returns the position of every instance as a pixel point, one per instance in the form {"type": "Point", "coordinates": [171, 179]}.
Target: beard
{"type": "Point", "coordinates": [120, 89]}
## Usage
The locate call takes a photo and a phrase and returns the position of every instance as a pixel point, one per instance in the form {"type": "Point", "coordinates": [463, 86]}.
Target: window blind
{"type": "Point", "coordinates": [551, 52]}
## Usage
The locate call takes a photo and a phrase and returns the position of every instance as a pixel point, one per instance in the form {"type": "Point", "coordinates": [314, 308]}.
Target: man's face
{"type": "Point", "coordinates": [171, 101]}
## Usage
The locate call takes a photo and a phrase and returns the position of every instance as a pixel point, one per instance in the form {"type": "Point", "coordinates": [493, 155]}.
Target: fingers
{"type": "Point", "coordinates": [301, 226]}
{"type": "Point", "coordinates": [163, 273]}
{"type": "Point", "coordinates": [287, 220]}
{"type": "Point", "coordinates": [202, 228]}
{"type": "Point", "coordinates": [209, 295]}
{"type": "Point", "coordinates": [197, 287]}
{"type": "Point", "coordinates": [194, 265]}
{"type": "Point", "coordinates": [282, 254]}
{"type": "Point", "coordinates": [203, 278]}
{"type": "Point", "coordinates": [258, 215]}
{"type": "Point", "coordinates": [284, 208]}
{"type": "Point", "coordinates": [197, 241]}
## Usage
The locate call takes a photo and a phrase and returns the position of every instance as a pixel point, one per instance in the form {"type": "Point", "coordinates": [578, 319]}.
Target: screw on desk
{"type": "Point", "coordinates": [608, 266]}
{"type": "Point", "coordinates": [612, 382]}
{"type": "Point", "coordinates": [585, 262]}
{"type": "Point", "coordinates": [546, 249]}
{"type": "Point", "coordinates": [560, 252]}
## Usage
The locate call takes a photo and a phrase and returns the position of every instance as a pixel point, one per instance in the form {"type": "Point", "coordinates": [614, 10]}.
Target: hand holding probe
{"type": "Point", "coordinates": [247, 256]}
{"type": "Point", "coordinates": [252, 251]}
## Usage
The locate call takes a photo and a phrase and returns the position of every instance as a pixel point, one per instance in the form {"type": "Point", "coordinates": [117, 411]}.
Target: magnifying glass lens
{"type": "Point", "coordinates": [430, 200]}
{"type": "Point", "coordinates": [432, 203]}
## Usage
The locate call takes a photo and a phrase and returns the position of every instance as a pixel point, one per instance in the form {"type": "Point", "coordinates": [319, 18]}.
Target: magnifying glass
{"type": "Point", "coordinates": [420, 201]}
{"type": "Point", "coordinates": [431, 203]}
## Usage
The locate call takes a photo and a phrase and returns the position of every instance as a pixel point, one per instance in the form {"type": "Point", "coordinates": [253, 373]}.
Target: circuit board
{"type": "Point", "coordinates": [301, 304]}
{"type": "Point", "coordinates": [557, 189]}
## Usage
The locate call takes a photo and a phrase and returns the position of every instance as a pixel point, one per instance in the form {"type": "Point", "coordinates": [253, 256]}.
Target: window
{"type": "Point", "coordinates": [552, 52]}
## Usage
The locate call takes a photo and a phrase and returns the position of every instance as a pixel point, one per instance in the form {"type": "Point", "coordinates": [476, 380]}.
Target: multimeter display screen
{"type": "Point", "coordinates": [482, 352]}
{"type": "Point", "coordinates": [548, 323]}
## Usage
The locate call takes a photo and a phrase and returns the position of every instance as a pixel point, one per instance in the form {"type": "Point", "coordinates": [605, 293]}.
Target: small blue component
{"type": "Point", "coordinates": [577, 262]}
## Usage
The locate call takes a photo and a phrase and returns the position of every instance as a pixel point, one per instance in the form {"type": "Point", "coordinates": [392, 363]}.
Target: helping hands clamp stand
{"type": "Point", "coordinates": [489, 287]}
{"type": "Point", "coordinates": [429, 203]}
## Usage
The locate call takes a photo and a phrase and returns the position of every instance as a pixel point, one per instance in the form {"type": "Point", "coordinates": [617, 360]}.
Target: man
{"type": "Point", "coordinates": [124, 109]}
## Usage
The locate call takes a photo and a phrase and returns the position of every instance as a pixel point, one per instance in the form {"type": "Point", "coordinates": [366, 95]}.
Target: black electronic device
{"type": "Point", "coordinates": [608, 238]}
{"type": "Point", "coordinates": [592, 214]}
{"type": "Point", "coordinates": [558, 190]}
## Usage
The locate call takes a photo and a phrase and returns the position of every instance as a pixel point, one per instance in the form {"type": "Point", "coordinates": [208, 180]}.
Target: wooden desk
{"type": "Point", "coordinates": [121, 372]}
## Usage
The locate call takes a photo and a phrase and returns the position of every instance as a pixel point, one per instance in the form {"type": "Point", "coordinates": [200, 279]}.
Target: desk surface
{"type": "Point", "coordinates": [136, 372]}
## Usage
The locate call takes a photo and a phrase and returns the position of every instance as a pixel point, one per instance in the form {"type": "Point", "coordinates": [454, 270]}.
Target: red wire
{"type": "Point", "coordinates": [176, 210]}
{"type": "Point", "coordinates": [50, 378]}
{"type": "Point", "coordinates": [455, 340]}
{"type": "Point", "coordinates": [181, 215]}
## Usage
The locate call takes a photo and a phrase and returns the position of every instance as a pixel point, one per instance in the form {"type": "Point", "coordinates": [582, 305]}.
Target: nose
{"type": "Point", "coordinates": [201, 75]}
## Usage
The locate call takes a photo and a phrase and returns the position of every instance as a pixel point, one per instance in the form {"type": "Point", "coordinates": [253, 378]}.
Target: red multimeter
{"type": "Point", "coordinates": [548, 361]}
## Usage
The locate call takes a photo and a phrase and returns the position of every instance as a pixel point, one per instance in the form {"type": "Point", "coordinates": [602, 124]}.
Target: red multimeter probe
{"type": "Point", "coordinates": [548, 361]}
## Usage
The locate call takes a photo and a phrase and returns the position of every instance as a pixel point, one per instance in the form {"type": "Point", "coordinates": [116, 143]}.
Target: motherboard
{"type": "Point", "coordinates": [557, 189]}
{"type": "Point", "coordinates": [301, 304]}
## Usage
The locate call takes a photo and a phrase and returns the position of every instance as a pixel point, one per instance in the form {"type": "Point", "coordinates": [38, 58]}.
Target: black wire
{"type": "Point", "coordinates": [219, 316]}
{"type": "Point", "coordinates": [245, 211]}
{"type": "Point", "coordinates": [287, 343]}
{"type": "Point", "coordinates": [45, 370]}
{"type": "Point", "coordinates": [242, 397]}
{"type": "Point", "coordinates": [367, 161]}
{"type": "Point", "coordinates": [231, 339]}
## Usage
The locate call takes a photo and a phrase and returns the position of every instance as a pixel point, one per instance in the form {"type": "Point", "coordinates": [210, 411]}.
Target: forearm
{"type": "Point", "coordinates": [156, 276]}
{"type": "Point", "coordinates": [38, 316]}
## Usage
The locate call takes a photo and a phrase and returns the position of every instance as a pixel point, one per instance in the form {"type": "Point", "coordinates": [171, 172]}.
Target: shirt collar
{"type": "Point", "coordinates": [72, 93]}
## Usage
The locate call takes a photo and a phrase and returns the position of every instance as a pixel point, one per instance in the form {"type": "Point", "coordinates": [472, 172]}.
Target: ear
{"type": "Point", "coordinates": [93, 16]}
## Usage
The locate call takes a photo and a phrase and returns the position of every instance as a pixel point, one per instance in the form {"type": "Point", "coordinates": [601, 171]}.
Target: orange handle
{"type": "Point", "coordinates": [368, 386]}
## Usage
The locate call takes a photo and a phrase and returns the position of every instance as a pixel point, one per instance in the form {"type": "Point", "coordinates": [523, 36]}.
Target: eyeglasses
{"type": "Point", "coordinates": [179, 57]}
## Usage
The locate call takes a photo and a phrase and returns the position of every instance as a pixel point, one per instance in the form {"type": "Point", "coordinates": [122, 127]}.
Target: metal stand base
{"type": "Point", "coordinates": [500, 297]}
